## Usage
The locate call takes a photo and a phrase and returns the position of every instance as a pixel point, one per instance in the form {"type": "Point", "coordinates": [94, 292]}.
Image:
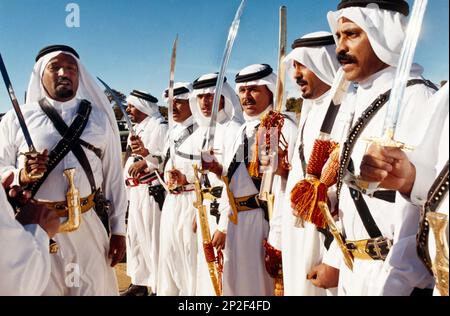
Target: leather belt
{"type": "Point", "coordinates": [212, 194]}
{"type": "Point", "coordinates": [248, 203]}
{"type": "Point", "coordinates": [370, 249]}
{"type": "Point", "coordinates": [183, 188]}
{"type": "Point", "coordinates": [61, 208]}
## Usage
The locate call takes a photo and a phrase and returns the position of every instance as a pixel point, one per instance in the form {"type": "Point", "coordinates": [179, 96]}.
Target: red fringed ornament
{"type": "Point", "coordinates": [269, 130]}
{"type": "Point", "coordinates": [274, 267]}
{"type": "Point", "coordinates": [272, 260]}
{"type": "Point", "coordinates": [331, 169]}
{"type": "Point", "coordinates": [307, 194]}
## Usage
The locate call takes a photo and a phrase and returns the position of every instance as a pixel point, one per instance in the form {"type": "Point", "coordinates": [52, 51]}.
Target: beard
{"type": "Point", "coordinates": [64, 93]}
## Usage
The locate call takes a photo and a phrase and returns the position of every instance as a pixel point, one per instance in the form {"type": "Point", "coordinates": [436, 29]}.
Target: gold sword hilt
{"type": "Point", "coordinates": [31, 155]}
{"type": "Point", "coordinates": [387, 140]}
{"type": "Point", "coordinates": [438, 223]}
{"type": "Point", "coordinates": [73, 199]}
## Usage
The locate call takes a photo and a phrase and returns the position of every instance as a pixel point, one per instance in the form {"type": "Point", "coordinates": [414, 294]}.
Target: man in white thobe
{"type": "Point", "coordinates": [369, 39]}
{"type": "Point", "coordinates": [25, 263]}
{"type": "Point", "coordinates": [229, 120]}
{"type": "Point", "coordinates": [146, 194]}
{"type": "Point", "coordinates": [83, 264]}
{"type": "Point", "coordinates": [312, 65]}
{"type": "Point", "coordinates": [429, 160]}
{"type": "Point", "coordinates": [178, 243]}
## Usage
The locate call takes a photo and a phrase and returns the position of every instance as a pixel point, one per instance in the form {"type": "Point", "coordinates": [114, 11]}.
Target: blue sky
{"type": "Point", "coordinates": [128, 43]}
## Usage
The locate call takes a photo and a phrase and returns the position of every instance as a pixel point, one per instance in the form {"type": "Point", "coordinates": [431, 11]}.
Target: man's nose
{"type": "Point", "coordinates": [341, 47]}
{"type": "Point", "coordinates": [248, 94]}
{"type": "Point", "coordinates": [61, 72]}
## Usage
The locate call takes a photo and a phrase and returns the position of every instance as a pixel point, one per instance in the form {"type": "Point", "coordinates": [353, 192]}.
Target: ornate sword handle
{"type": "Point", "coordinates": [31, 155]}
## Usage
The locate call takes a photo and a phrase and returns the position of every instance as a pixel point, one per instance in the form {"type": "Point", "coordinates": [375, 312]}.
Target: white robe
{"type": "Point", "coordinates": [402, 269]}
{"type": "Point", "coordinates": [279, 188]}
{"type": "Point", "coordinates": [429, 159]}
{"type": "Point", "coordinates": [81, 266]}
{"type": "Point", "coordinates": [143, 212]}
{"type": "Point", "coordinates": [244, 270]}
{"type": "Point", "coordinates": [177, 268]}
{"type": "Point", "coordinates": [302, 248]}
{"type": "Point", "coordinates": [25, 260]}
{"type": "Point", "coordinates": [226, 133]}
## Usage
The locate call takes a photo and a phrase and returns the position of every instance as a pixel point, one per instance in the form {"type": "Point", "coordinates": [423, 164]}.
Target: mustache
{"type": "Point", "coordinates": [344, 57]}
{"type": "Point", "coordinates": [301, 82]}
{"type": "Point", "coordinates": [63, 79]}
{"type": "Point", "coordinates": [248, 102]}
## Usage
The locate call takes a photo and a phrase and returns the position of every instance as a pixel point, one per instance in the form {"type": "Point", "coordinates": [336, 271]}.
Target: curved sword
{"type": "Point", "coordinates": [402, 74]}
{"type": "Point", "coordinates": [209, 139]}
{"type": "Point", "coordinates": [173, 60]}
{"type": "Point", "coordinates": [265, 192]}
{"type": "Point", "coordinates": [398, 89]}
{"type": "Point", "coordinates": [119, 104]}
{"type": "Point", "coordinates": [281, 78]}
{"type": "Point", "coordinates": [32, 152]}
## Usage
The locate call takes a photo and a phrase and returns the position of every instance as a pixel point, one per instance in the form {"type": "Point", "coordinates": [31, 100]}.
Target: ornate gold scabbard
{"type": "Point", "coordinates": [348, 257]}
{"type": "Point", "coordinates": [211, 259]}
{"type": "Point", "coordinates": [73, 205]}
{"type": "Point", "coordinates": [438, 223]}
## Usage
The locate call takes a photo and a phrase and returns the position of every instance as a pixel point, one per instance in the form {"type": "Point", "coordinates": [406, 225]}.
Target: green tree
{"type": "Point", "coordinates": [294, 105]}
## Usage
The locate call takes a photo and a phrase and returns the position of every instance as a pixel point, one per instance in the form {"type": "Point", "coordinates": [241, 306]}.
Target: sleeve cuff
{"type": "Point", "coordinates": [152, 162]}
{"type": "Point", "coordinates": [424, 179]}
{"type": "Point", "coordinates": [223, 222]}
{"type": "Point", "coordinates": [274, 239]}
{"type": "Point", "coordinates": [16, 181]}
{"type": "Point", "coordinates": [38, 233]}
{"type": "Point", "coordinates": [333, 256]}
{"type": "Point", "coordinates": [118, 228]}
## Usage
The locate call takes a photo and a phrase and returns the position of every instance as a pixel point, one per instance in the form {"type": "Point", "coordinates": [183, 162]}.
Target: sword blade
{"type": "Point", "coordinates": [15, 103]}
{"type": "Point", "coordinates": [404, 68]}
{"type": "Point", "coordinates": [265, 190]}
{"type": "Point", "coordinates": [119, 103]}
{"type": "Point", "coordinates": [281, 78]}
{"type": "Point", "coordinates": [173, 60]}
{"type": "Point", "coordinates": [209, 140]}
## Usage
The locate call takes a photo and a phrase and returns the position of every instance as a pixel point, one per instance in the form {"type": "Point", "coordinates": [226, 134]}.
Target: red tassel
{"type": "Point", "coordinates": [306, 196]}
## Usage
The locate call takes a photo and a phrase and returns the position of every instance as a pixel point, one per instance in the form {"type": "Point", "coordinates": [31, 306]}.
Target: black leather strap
{"type": "Point", "coordinates": [66, 144]}
{"type": "Point", "coordinates": [62, 128]}
{"type": "Point", "coordinates": [436, 196]}
{"type": "Point", "coordinates": [328, 237]}
{"type": "Point", "coordinates": [128, 153]}
{"type": "Point", "coordinates": [360, 126]}
{"type": "Point", "coordinates": [363, 210]}
{"type": "Point", "coordinates": [301, 149]}
{"type": "Point", "coordinates": [188, 131]}
{"type": "Point", "coordinates": [346, 162]}
{"type": "Point", "coordinates": [237, 162]}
